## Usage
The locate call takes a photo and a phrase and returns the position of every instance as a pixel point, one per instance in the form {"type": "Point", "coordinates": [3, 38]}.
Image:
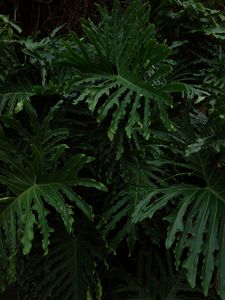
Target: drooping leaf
{"type": "Point", "coordinates": [122, 70]}
{"type": "Point", "coordinates": [197, 223]}
{"type": "Point", "coordinates": [31, 178]}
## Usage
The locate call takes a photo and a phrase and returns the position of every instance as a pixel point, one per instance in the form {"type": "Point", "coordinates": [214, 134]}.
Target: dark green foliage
{"type": "Point", "coordinates": [153, 272]}
{"type": "Point", "coordinates": [31, 164]}
{"type": "Point", "coordinates": [69, 269]}
{"type": "Point", "coordinates": [136, 102]}
{"type": "Point", "coordinates": [122, 70]}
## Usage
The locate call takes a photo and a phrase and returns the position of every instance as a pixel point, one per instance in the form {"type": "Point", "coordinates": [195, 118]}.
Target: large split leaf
{"type": "Point", "coordinates": [36, 179]}
{"type": "Point", "coordinates": [197, 224]}
{"type": "Point", "coordinates": [122, 71]}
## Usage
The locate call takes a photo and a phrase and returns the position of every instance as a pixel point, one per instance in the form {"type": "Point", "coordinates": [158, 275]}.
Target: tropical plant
{"type": "Point", "coordinates": [136, 102]}
{"type": "Point", "coordinates": [30, 164]}
{"type": "Point", "coordinates": [197, 223]}
{"type": "Point", "coordinates": [122, 70]}
{"type": "Point", "coordinates": [71, 261]}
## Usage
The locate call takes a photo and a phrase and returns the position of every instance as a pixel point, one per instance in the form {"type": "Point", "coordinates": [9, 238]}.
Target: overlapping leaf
{"type": "Point", "coordinates": [116, 221]}
{"type": "Point", "coordinates": [122, 71]}
{"type": "Point", "coordinates": [30, 168]}
{"type": "Point", "coordinates": [67, 272]}
{"type": "Point", "coordinates": [197, 225]}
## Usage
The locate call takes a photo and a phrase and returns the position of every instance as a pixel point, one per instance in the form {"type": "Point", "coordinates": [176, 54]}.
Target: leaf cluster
{"type": "Point", "coordinates": [112, 156]}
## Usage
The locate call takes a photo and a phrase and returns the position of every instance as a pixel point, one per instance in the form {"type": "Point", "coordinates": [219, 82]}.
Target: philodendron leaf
{"type": "Point", "coordinates": [197, 226]}
{"type": "Point", "coordinates": [39, 181]}
{"type": "Point", "coordinates": [122, 71]}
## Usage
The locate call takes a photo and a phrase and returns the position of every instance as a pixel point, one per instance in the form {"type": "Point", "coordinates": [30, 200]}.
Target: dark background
{"type": "Point", "coordinates": [39, 17]}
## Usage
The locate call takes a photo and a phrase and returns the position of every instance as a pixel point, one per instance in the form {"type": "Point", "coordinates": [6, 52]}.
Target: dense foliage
{"type": "Point", "coordinates": [112, 156]}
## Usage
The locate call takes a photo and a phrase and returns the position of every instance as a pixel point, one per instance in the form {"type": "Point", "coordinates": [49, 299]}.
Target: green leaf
{"type": "Point", "coordinates": [70, 267]}
{"type": "Point", "coordinates": [196, 224]}
{"type": "Point", "coordinates": [38, 184]}
{"type": "Point", "coordinates": [126, 79]}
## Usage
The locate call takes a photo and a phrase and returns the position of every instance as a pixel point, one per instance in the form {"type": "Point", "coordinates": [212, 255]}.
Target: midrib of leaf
{"type": "Point", "coordinates": [33, 187]}
{"type": "Point", "coordinates": [216, 194]}
{"type": "Point", "coordinates": [132, 86]}
{"type": "Point", "coordinates": [15, 200]}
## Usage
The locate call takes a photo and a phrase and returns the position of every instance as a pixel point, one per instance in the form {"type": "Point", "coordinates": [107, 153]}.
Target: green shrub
{"type": "Point", "coordinates": [137, 103]}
